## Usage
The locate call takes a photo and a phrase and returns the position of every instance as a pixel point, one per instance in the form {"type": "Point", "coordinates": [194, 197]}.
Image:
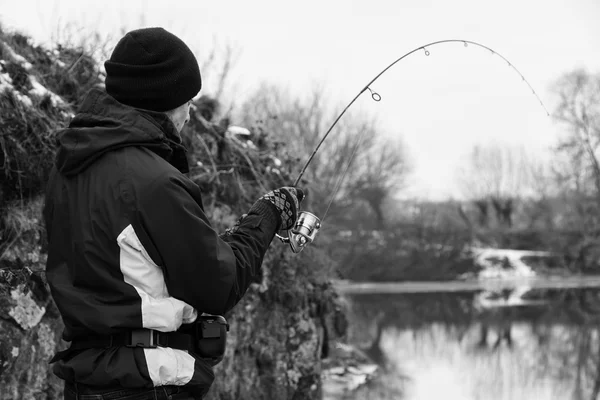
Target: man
{"type": "Point", "coordinates": [132, 258]}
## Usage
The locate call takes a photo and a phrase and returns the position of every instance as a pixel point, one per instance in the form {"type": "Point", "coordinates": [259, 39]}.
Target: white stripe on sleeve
{"type": "Point", "coordinates": [168, 366]}
{"type": "Point", "coordinates": [159, 310]}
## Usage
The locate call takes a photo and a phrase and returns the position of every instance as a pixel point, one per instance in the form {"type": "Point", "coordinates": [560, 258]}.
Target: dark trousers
{"type": "Point", "coordinates": [75, 391]}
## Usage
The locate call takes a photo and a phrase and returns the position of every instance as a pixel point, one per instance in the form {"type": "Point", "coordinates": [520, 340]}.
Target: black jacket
{"type": "Point", "coordinates": [130, 245]}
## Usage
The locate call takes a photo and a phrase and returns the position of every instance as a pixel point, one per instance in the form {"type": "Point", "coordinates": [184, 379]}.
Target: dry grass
{"type": "Point", "coordinates": [232, 170]}
{"type": "Point", "coordinates": [43, 84]}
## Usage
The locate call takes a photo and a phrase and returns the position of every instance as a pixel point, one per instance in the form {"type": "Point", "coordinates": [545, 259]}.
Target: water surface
{"type": "Point", "coordinates": [508, 341]}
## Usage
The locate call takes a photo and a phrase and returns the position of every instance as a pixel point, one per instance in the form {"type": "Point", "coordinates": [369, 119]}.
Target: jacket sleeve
{"type": "Point", "coordinates": [201, 268]}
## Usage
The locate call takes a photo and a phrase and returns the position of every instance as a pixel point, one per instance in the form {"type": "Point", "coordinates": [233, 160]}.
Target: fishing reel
{"type": "Point", "coordinates": [303, 232]}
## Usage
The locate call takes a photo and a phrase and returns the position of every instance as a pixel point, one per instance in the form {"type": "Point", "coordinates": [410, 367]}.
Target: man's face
{"type": "Point", "coordinates": [181, 115]}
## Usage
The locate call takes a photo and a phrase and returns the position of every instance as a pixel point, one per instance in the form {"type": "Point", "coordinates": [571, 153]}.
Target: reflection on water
{"type": "Point", "coordinates": [478, 345]}
{"type": "Point", "coordinates": [474, 364]}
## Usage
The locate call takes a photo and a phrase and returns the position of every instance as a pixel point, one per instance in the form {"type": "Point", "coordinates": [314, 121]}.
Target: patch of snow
{"type": "Point", "coordinates": [505, 263]}
{"type": "Point", "coordinates": [23, 99]}
{"type": "Point", "coordinates": [273, 170]}
{"type": "Point", "coordinates": [239, 135]}
{"type": "Point", "coordinates": [275, 160]}
{"type": "Point", "coordinates": [347, 378]}
{"type": "Point", "coordinates": [238, 130]}
{"type": "Point", "coordinates": [37, 89]}
{"type": "Point", "coordinates": [40, 90]}
{"type": "Point", "coordinates": [5, 82]}
{"type": "Point", "coordinates": [17, 58]}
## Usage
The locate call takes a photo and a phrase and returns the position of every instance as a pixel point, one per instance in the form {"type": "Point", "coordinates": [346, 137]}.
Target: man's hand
{"type": "Point", "coordinates": [287, 201]}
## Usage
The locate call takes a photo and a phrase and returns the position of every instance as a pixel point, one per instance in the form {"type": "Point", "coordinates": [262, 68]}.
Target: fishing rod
{"type": "Point", "coordinates": [307, 225]}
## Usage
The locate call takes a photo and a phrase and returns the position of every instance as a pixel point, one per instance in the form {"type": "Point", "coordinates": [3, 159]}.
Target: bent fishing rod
{"type": "Point", "coordinates": [307, 225]}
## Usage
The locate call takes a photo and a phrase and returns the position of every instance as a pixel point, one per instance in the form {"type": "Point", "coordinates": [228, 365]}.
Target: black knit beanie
{"type": "Point", "coordinates": [152, 69]}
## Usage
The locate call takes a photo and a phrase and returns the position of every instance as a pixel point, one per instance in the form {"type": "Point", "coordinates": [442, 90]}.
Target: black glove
{"type": "Point", "coordinates": [287, 201]}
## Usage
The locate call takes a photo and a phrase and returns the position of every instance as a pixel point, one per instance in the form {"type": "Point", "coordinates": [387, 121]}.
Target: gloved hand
{"type": "Point", "coordinates": [287, 201]}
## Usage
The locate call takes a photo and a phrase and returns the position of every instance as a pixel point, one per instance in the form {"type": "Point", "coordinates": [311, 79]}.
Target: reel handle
{"type": "Point", "coordinates": [282, 238]}
{"type": "Point", "coordinates": [303, 232]}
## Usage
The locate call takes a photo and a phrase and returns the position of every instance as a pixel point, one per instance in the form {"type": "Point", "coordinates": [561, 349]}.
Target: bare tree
{"type": "Point", "coordinates": [579, 111]}
{"type": "Point", "coordinates": [217, 67]}
{"type": "Point", "coordinates": [374, 167]}
{"type": "Point", "coordinates": [379, 172]}
{"type": "Point", "coordinates": [540, 206]}
{"type": "Point", "coordinates": [494, 178]}
{"type": "Point", "coordinates": [578, 169]}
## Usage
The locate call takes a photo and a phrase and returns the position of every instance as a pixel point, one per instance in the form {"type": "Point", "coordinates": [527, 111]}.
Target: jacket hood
{"type": "Point", "coordinates": [103, 124]}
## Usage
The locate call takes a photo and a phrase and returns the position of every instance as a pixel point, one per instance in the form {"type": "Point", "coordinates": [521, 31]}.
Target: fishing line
{"type": "Point", "coordinates": [341, 178]}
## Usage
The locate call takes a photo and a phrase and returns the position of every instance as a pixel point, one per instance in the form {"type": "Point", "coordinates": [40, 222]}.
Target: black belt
{"type": "Point", "coordinates": [146, 338]}
{"type": "Point", "coordinates": [82, 389]}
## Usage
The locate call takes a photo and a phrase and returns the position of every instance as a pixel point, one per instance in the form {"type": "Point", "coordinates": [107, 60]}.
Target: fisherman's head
{"type": "Point", "coordinates": [153, 69]}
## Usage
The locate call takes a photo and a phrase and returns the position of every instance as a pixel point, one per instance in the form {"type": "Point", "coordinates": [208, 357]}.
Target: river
{"type": "Point", "coordinates": [495, 340]}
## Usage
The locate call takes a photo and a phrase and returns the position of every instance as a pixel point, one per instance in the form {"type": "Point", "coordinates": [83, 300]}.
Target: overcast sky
{"type": "Point", "coordinates": [440, 105]}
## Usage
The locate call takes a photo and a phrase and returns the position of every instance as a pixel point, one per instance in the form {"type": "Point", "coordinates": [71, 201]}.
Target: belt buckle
{"type": "Point", "coordinates": [143, 338]}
